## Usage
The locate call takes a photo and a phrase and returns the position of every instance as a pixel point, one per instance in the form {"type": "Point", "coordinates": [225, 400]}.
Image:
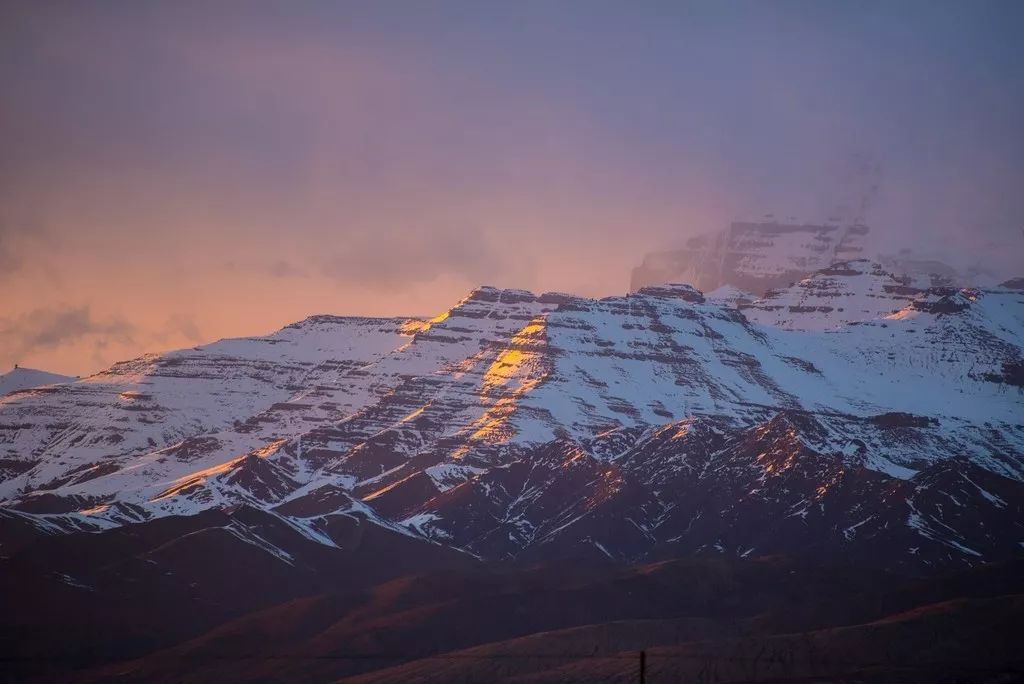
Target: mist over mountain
{"type": "Point", "coordinates": [166, 167]}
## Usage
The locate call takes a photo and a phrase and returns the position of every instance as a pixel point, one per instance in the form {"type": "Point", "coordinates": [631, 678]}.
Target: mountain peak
{"type": "Point", "coordinates": [489, 293]}
{"type": "Point", "coordinates": [20, 378]}
{"type": "Point", "coordinates": [682, 291]}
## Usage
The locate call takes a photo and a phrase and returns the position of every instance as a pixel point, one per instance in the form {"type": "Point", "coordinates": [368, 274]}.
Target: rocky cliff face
{"type": "Point", "coordinates": [515, 425]}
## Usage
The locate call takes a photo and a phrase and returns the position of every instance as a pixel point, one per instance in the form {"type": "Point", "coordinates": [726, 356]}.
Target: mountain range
{"type": "Point", "coordinates": [849, 419]}
{"type": "Point", "coordinates": [865, 414]}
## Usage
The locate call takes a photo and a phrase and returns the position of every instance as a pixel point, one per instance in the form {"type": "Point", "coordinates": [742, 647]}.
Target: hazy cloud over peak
{"type": "Point", "coordinates": [49, 328]}
{"type": "Point", "coordinates": [249, 164]}
{"type": "Point", "coordinates": [394, 260]}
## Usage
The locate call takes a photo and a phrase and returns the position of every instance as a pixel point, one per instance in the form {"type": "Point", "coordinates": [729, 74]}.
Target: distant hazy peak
{"type": "Point", "coordinates": [753, 256]}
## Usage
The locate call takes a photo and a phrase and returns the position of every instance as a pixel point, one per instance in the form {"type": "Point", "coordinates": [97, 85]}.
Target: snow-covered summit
{"type": "Point", "coordinates": [683, 291]}
{"type": "Point", "coordinates": [20, 378]}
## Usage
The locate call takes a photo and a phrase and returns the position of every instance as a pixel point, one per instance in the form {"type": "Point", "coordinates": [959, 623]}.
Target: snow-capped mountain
{"type": "Point", "coordinates": [517, 425]}
{"type": "Point", "coordinates": [20, 378]}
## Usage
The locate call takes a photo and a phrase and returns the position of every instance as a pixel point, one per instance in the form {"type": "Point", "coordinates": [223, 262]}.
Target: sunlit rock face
{"type": "Point", "coordinates": [752, 256]}
{"type": "Point", "coordinates": [842, 415]}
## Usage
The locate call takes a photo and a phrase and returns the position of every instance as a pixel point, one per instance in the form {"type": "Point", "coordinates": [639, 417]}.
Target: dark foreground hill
{"type": "Point", "coordinates": [186, 599]}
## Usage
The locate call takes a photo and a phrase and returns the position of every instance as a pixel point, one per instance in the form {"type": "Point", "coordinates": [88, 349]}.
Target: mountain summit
{"type": "Point", "coordinates": [20, 378]}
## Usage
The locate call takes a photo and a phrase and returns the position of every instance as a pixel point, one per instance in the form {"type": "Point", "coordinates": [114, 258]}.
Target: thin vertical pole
{"type": "Point", "coordinates": [643, 667]}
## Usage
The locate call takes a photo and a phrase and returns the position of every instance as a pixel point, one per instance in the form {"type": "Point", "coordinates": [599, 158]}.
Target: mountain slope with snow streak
{"type": "Point", "coordinates": [517, 425]}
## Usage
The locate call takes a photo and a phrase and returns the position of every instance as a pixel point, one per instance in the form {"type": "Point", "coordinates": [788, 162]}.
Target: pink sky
{"type": "Point", "coordinates": [173, 174]}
